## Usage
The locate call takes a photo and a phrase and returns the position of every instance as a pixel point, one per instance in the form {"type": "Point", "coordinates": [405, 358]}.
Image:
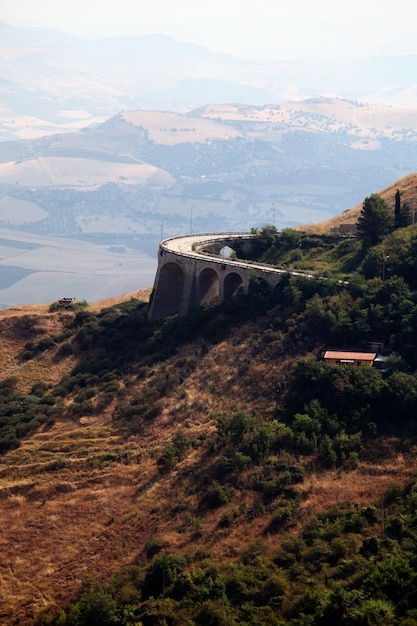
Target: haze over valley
{"type": "Point", "coordinates": [117, 143]}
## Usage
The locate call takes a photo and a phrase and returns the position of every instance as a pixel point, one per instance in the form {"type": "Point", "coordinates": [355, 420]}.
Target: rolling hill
{"type": "Point", "coordinates": [86, 494]}
{"type": "Point", "coordinates": [53, 82]}
{"type": "Point", "coordinates": [233, 162]}
{"type": "Point", "coordinates": [216, 448]}
{"type": "Point", "coordinates": [144, 175]}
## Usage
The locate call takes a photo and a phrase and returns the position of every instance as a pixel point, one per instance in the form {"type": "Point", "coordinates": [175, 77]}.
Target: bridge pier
{"type": "Point", "coordinates": [188, 294]}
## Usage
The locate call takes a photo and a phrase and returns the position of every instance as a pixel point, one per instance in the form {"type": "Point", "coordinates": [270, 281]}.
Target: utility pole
{"type": "Point", "coordinates": [191, 218]}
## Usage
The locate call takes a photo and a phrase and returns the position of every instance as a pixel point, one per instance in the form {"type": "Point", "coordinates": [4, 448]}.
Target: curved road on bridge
{"type": "Point", "coordinates": [191, 246]}
{"type": "Point", "coordinates": [192, 271]}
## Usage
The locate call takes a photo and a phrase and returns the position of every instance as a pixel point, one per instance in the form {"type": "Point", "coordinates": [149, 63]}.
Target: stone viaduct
{"type": "Point", "coordinates": [192, 271]}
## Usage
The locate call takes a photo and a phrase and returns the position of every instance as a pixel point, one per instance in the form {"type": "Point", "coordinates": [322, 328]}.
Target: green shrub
{"type": "Point", "coordinates": [104, 401]}
{"type": "Point", "coordinates": [168, 459]}
{"type": "Point", "coordinates": [111, 386]}
{"type": "Point", "coordinates": [9, 441]}
{"type": "Point", "coordinates": [47, 400]}
{"type": "Point", "coordinates": [228, 518]}
{"type": "Point", "coordinates": [216, 496]}
{"type": "Point", "coordinates": [44, 344]}
{"type": "Point", "coordinates": [85, 394]}
{"type": "Point", "coordinates": [180, 442]}
{"type": "Point", "coordinates": [154, 545]}
{"type": "Point", "coordinates": [162, 573]}
{"type": "Point", "coordinates": [96, 606]}
{"type": "Point", "coordinates": [280, 518]}
{"type": "Point", "coordinates": [86, 407]}
{"type": "Point", "coordinates": [213, 613]}
{"type": "Point", "coordinates": [241, 461]}
{"type": "Point", "coordinates": [39, 388]}
{"type": "Point", "coordinates": [393, 493]}
{"type": "Point", "coordinates": [66, 350]}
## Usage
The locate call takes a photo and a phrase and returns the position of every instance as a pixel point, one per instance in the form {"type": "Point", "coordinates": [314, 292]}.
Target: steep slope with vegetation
{"type": "Point", "coordinates": [214, 469]}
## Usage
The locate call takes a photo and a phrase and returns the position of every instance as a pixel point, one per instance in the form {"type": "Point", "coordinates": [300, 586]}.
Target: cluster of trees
{"type": "Point", "coordinates": [348, 565]}
{"type": "Point", "coordinates": [377, 220]}
{"type": "Point", "coordinates": [24, 413]}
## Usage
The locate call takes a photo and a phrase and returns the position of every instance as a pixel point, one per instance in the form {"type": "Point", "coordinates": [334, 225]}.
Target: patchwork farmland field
{"type": "Point", "coordinates": [41, 269]}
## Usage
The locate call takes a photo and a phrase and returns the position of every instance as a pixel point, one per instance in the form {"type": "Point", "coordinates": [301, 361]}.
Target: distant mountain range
{"type": "Point", "coordinates": [50, 81]}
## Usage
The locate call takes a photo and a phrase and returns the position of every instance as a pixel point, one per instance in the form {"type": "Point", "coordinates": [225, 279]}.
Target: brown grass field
{"type": "Point", "coordinates": [172, 128]}
{"type": "Point", "coordinates": [83, 498]}
{"type": "Point", "coordinates": [321, 113]}
{"type": "Point", "coordinates": [79, 172]}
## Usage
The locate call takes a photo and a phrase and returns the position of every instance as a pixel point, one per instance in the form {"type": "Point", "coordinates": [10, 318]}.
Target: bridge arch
{"type": "Point", "coordinates": [208, 287]}
{"type": "Point", "coordinates": [168, 297]}
{"type": "Point", "coordinates": [232, 283]}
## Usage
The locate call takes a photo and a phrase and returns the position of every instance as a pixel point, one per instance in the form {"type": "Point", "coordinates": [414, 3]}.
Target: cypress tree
{"type": "Point", "coordinates": [397, 210]}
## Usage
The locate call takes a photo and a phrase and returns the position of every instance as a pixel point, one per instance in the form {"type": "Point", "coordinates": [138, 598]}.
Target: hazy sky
{"type": "Point", "coordinates": [285, 27]}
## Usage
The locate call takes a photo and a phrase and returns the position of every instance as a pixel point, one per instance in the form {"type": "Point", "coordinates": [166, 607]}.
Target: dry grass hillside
{"type": "Point", "coordinates": [321, 113]}
{"type": "Point", "coordinates": [171, 128]}
{"type": "Point", "coordinates": [84, 496]}
{"type": "Point", "coordinates": [408, 190]}
{"type": "Point", "coordinates": [79, 172]}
